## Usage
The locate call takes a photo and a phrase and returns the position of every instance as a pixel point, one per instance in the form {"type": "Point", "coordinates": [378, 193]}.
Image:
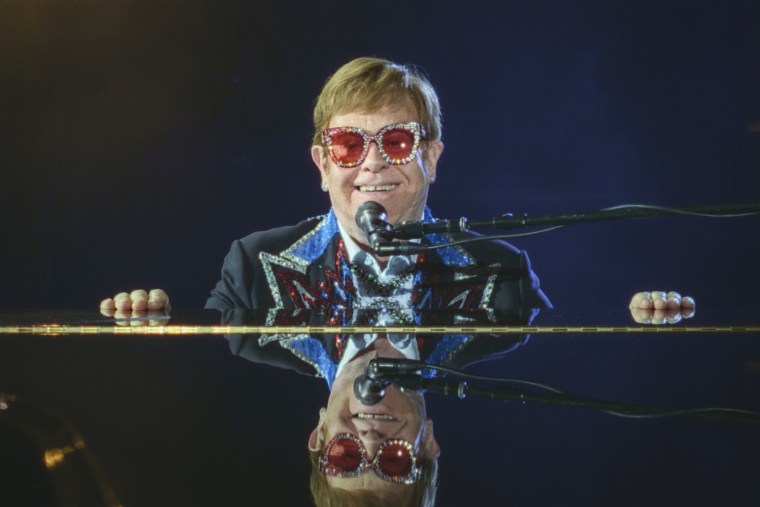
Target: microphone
{"type": "Point", "coordinates": [373, 221]}
{"type": "Point", "coordinates": [369, 391]}
{"type": "Point", "coordinates": [382, 366]}
{"type": "Point", "coordinates": [369, 388]}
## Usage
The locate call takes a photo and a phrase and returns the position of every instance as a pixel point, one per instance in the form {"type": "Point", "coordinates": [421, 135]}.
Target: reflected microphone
{"type": "Point", "coordinates": [369, 391]}
{"type": "Point", "coordinates": [369, 388]}
{"type": "Point", "coordinates": [373, 221]}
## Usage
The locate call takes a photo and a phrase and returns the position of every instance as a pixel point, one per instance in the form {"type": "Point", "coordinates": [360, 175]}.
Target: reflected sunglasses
{"type": "Point", "coordinates": [346, 456]}
{"type": "Point", "coordinates": [397, 143]}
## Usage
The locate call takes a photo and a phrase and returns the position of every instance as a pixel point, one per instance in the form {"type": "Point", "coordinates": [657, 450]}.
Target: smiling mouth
{"type": "Point", "coordinates": [377, 188]}
{"type": "Point", "coordinates": [375, 417]}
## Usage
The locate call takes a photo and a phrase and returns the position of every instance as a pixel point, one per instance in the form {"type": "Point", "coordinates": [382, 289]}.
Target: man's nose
{"type": "Point", "coordinates": [374, 161]}
{"type": "Point", "coordinates": [373, 431]}
{"type": "Point", "coordinates": [372, 439]}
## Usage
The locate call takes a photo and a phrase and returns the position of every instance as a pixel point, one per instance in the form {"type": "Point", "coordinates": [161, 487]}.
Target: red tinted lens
{"type": "Point", "coordinates": [344, 455]}
{"type": "Point", "coordinates": [347, 147]}
{"type": "Point", "coordinates": [395, 460]}
{"type": "Point", "coordinates": [398, 143]}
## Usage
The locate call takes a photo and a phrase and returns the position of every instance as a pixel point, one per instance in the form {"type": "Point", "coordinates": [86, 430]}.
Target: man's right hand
{"type": "Point", "coordinates": [137, 300]}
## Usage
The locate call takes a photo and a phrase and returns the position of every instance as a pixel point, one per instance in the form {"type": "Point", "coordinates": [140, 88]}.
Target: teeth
{"type": "Point", "coordinates": [376, 188]}
{"type": "Point", "coordinates": [382, 417]}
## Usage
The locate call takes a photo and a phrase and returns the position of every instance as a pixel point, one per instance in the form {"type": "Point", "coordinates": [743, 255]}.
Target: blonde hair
{"type": "Point", "coordinates": [368, 84]}
{"type": "Point", "coordinates": [423, 491]}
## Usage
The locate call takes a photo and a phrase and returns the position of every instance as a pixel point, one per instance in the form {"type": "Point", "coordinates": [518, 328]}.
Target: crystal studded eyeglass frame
{"type": "Point", "coordinates": [412, 127]}
{"type": "Point", "coordinates": [411, 478]}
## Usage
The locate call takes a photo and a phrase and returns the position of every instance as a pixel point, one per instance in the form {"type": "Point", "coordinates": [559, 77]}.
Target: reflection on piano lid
{"type": "Point", "coordinates": [152, 397]}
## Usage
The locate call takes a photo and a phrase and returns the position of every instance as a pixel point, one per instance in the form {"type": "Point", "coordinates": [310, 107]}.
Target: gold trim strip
{"type": "Point", "coordinates": [186, 330]}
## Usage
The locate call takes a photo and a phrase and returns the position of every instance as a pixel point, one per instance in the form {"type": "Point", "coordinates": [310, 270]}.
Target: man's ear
{"type": "Point", "coordinates": [319, 156]}
{"type": "Point", "coordinates": [430, 445]}
{"type": "Point", "coordinates": [434, 150]}
{"type": "Point", "coordinates": [318, 435]}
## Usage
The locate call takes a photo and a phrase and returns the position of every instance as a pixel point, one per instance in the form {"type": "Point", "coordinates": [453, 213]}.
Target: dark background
{"type": "Point", "coordinates": [140, 138]}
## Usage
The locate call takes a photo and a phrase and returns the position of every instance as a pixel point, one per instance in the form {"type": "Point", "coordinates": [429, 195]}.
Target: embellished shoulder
{"type": "Point", "coordinates": [313, 244]}
{"type": "Point", "coordinates": [279, 239]}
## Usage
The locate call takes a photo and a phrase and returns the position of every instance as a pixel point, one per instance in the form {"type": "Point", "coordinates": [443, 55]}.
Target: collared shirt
{"type": "Point", "coordinates": [398, 265]}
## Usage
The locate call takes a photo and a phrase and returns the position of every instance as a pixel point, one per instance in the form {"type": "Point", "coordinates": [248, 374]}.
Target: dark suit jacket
{"type": "Point", "coordinates": [305, 266]}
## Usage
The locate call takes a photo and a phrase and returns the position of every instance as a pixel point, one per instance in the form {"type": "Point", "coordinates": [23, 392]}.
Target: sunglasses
{"type": "Point", "coordinates": [397, 143]}
{"type": "Point", "coordinates": [346, 456]}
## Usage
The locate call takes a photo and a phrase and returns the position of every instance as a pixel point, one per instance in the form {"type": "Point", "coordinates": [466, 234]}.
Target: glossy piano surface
{"type": "Point", "coordinates": [170, 415]}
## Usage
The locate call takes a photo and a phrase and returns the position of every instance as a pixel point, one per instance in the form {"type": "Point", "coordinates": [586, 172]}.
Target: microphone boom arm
{"type": "Point", "coordinates": [506, 392]}
{"type": "Point", "coordinates": [416, 229]}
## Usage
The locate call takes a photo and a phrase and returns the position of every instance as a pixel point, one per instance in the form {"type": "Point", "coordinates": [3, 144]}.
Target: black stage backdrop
{"type": "Point", "coordinates": [139, 138]}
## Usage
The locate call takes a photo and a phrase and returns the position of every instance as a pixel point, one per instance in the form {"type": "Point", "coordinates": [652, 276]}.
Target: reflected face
{"type": "Point", "coordinates": [401, 189]}
{"type": "Point", "coordinates": [397, 416]}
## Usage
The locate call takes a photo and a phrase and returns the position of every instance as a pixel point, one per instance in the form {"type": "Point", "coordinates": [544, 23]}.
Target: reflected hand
{"type": "Point", "coordinates": [658, 307]}
{"type": "Point", "coordinates": [137, 304]}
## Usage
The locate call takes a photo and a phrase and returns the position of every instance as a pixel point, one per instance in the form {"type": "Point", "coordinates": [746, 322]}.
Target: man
{"type": "Point", "coordinates": [377, 138]}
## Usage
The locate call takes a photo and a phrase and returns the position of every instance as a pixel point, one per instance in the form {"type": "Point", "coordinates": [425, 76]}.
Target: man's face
{"type": "Point", "coordinates": [397, 415]}
{"type": "Point", "coordinates": [404, 188]}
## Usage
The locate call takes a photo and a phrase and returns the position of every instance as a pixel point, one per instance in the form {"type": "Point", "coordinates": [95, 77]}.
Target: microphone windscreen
{"type": "Point", "coordinates": [368, 208]}
{"type": "Point", "coordinates": [368, 391]}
